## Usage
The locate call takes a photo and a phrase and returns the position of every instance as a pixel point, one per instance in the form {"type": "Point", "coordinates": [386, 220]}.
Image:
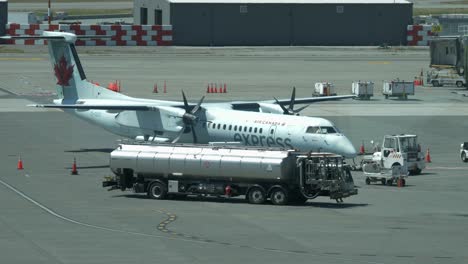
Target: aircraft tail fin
{"type": "Point", "coordinates": [71, 79]}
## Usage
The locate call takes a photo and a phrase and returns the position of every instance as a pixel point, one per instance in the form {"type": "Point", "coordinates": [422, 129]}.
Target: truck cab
{"type": "Point", "coordinates": [401, 150]}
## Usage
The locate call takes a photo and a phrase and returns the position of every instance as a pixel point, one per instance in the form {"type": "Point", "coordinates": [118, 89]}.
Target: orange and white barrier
{"type": "Point", "coordinates": [420, 35]}
{"type": "Point", "coordinates": [120, 35]}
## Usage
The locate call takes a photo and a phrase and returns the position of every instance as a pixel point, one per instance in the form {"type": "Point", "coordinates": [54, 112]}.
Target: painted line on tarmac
{"type": "Point", "coordinates": [21, 59]}
{"type": "Point", "coordinates": [191, 240]}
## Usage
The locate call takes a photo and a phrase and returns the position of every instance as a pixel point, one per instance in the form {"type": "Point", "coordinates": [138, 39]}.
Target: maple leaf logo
{"type": "Point", "coordinates": [63, 72]}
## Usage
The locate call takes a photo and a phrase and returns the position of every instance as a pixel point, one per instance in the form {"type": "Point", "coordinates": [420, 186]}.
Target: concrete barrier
{"type": "Point", "coordinates": [120, 35]}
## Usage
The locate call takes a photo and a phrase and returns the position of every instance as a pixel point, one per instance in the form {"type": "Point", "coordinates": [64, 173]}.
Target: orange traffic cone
{"type": "Point", "coordinates": [215, 88]}
{"type": "Point", "coordinates": [20, 164]}
{"type": "Point", "coordinates": [155, 88]}
{"type": "Point", "coordinates": [165, 91]}
{"type": "Point", "coordinates": [400, 182]}
{"type": "Point", "coordinates": [74, 171]}
{"type": "Point", "coordinates": [208, 89]}
{"type": "Point", "coordinates": [361, 149]}
{"type": "Point", "coordinates": [428, 156]}
{"type": "Point", "coordinates": [225, 90]}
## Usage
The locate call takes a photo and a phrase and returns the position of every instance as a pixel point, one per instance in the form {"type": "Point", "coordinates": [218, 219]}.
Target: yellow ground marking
{"type": "Point", "coordinates": [379, 62]}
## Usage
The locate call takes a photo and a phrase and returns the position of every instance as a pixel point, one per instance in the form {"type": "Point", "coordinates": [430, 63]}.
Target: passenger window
{"type": "Point", "coordinates": [245, 129]}
{"type": "Point", "coordinates": [255, 130]}
{"type": "Point", "coordinates": [261, 130]}
{"type": "Point", "coordinates": [235, 128]}
{"type": "Point", "coordinates": [230, 127]}
{"type": "Point", "coordinates": [250, 129]}
{"type": "Point", "coordinates": [219, 126]}
{"type": "Point", "coordinates": [224, 127]}
{"type": "Point", "coordinates": [240, 128]}
{"type": "Point", "coordinates": [271, 131]}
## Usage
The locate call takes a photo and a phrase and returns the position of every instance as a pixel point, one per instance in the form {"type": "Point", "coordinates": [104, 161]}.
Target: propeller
{"type": "Point", "coordinates": [189, 119]}
{"type": "Point", "coordinates": [290, 110]}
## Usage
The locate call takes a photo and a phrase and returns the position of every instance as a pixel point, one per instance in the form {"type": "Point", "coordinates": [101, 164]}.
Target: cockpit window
{"type": "Point", "coordinates": [321, 130]}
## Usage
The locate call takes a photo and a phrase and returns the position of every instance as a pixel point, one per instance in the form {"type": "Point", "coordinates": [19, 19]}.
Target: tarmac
{"type": "Point", "coordinates": [50, 216]}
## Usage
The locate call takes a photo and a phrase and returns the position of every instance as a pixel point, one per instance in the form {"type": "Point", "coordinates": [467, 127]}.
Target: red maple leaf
{"type": "Point", "coordinates": [63, 72]}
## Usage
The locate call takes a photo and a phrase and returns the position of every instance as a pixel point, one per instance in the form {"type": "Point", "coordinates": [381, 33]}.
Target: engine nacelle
{"type": "Point", "coordinates": [270, 108]}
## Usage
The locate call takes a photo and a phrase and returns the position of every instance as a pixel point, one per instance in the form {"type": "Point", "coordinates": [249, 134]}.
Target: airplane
{"type": "Point", "coordinates": [266, 123]}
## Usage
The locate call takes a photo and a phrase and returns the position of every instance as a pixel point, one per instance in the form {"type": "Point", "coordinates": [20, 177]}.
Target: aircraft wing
{"type": "Point", "coordinates": [254, 106]}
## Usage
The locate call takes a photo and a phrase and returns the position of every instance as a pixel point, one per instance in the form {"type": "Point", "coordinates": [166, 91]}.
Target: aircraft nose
{"type": "Point", "coordinates": [347, 148]}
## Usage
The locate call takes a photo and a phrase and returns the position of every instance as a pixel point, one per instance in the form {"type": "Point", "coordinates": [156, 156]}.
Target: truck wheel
{"type": "Point", "coordinates": [435, 83]}
{"type": "Point", "coordinates": [279, 196]}
{"type": "Point", "coordinates": [367, 181]}
{"type": "Point", "coordinates": [417, 171]}
{"type": "Point", "coordinates": [383, 181]}
{"type": "Point", "coordinates": [463, 157]}
{"type": "Point", "coordinates": [403, 182]}
{"type": "Point", "coordinates": [256, 195]}
{"type": "Point", "coordinates": [389, 182]}
{"type": "Point", "coordinates": [157, 191]}
{"type": "Point", "coordinates": [459, 84]}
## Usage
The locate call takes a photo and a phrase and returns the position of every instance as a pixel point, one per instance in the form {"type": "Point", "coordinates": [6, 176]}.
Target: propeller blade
{"type": "Point", "coordinates": [301, 108]}
{"type": "Point", "coordinates": [195, 139]}
{"type": "Point", "coordinates": [282, 107]}
{"type": "Point", "coordinates": [293, 98]}
{"type": "Point", "coordinates": [179, 135]}
{"type": "Point", "coordinates": [186, 106]}
{"type": "Point", "coordinates": [195, 109]}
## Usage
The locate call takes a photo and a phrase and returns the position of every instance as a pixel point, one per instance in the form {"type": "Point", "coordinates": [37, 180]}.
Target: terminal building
{"type": "Point", "coordinates": [279, 22]}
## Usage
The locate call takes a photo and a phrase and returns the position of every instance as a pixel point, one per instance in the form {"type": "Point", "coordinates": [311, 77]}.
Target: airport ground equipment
{"type": "Point", "coordinates": [397, 150]}
{"type": "Point", "coordinates": [363, 90]}
{"type": "Point", "coordinates": [375, 173]}
{"type": "Point", "coordinates": [324, 89]}
{"type": "Point", "coordinates": [448, 76]}
{"type": "Point", "coordinates": [397, 88]}
{"type": "Point", "coordinates": [464, 151]}
{"type": "Point", "coordinates": [260, 174]}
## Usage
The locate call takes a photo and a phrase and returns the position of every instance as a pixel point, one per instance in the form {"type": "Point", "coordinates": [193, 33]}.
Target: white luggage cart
{"type": "Point", "coordinates": [375, 173]}
{"type": "Point", "coordinates": [397, 88]}
{"type": "Point", "coordinates": [364, 90]}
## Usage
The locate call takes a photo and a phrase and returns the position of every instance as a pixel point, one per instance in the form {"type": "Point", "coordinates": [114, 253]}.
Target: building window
{"type": "Point", "coordinates": [158, 17]}
{"type": "Point", "coordinates": [339, 9]}
{"type": "Point", "coordinates": [243, 9]}
{"type": "Point", "coordinates": [143, 16]}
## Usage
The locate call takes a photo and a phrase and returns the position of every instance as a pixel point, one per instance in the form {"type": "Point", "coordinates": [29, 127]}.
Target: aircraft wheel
{"type": "Point", "coordinates": [463, 157]}
{"type": "Point", "coordinates": [459, 84]}
{"type": "Point", "coordinates": [389, 182]}
{"type": "Point", "coordinates": [256, 195]}
{"type": "Point", "coordinates": [279, 196]}
{"type": "Point", "coordinates": [157, 190]}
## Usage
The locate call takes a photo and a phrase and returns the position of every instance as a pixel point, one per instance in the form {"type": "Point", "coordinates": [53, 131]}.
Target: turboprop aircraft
{"type": "Point", "coordinates": [264, 123]}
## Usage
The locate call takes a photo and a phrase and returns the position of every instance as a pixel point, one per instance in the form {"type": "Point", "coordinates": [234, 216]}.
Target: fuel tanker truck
{"type": "Point", "coordinates": [282, 176]}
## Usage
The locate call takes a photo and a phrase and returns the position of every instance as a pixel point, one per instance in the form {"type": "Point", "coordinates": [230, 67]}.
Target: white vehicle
{"type": "Point", "coordinates": [324, 89]}
{"type": "Point", "coordinates": [398, 151]}
{"type": "Point", "coordinates": [464, 152]}
{"type": "Point", "coordinates": [258, 173]}
{"type": "Point", "coordinates": [397, 88]}
{"type": "Point", "coordinates": [363, 89]}
{"type": "Point", "coordinates": [445, 77]}
{"type": "Point", "coordinates": [270, 123]}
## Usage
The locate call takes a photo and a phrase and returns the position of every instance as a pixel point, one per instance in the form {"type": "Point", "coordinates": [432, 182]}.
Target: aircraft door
{"type": "Point", "coordinates": [271, 136]}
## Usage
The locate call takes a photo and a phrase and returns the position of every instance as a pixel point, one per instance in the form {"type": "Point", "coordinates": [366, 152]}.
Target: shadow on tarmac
{"type": "Point", "coordinates": [89, 167]}
{"type": "Point", "coordinates": [102, 150]}
{"type": "Point", "coordinates": [310, 203]}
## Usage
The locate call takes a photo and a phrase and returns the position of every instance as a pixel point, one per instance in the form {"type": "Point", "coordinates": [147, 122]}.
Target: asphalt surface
{"type": "Point", "coordinates": [50, 216]}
